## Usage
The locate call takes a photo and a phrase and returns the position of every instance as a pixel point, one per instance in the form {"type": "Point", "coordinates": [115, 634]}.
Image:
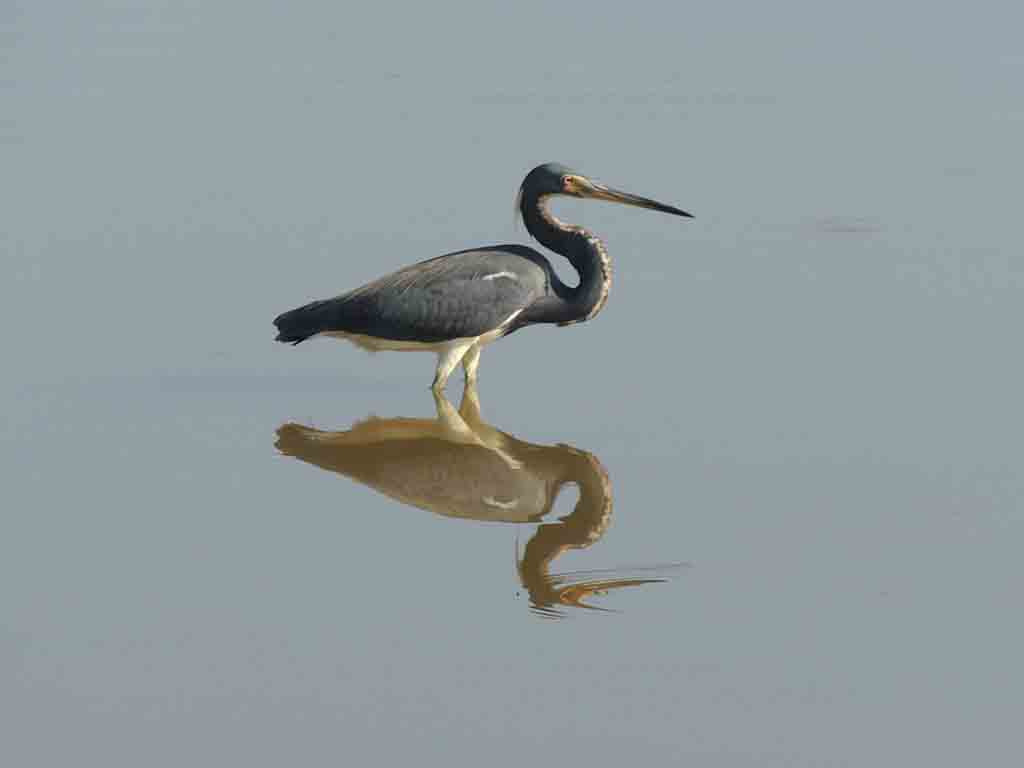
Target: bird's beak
{"type": "Point", "coordinates": [600, 192]}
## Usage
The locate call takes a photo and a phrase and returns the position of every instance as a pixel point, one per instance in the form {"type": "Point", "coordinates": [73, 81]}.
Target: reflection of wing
{"type": "Point", "coordinates": [450, 478]}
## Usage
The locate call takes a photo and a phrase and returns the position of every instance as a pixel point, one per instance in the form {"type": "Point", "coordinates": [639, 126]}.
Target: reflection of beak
{"type": "Point", "coordinates": [601, 192]}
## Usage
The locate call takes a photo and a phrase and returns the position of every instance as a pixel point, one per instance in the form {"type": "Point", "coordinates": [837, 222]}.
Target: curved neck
{"type": "Point", "coordinates": [583, 250]}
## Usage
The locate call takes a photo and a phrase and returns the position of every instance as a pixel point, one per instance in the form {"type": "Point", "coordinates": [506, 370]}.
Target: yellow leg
{"type": "Point", "coordinates": [446, 362]}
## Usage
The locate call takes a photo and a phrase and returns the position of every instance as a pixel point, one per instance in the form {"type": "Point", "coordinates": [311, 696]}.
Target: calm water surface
{"type": "Point", "coordinates": [765, 510]}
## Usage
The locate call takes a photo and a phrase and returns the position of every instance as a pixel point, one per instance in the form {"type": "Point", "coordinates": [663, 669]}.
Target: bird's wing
{"type": "Point", "coordinates": [459, 295]}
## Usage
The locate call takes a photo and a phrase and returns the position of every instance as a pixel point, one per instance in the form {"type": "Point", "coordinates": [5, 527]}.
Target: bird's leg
{"type": "Point", "coordinates": [470, 363]}
{"type": "Point", "coordinates": [446, 362]}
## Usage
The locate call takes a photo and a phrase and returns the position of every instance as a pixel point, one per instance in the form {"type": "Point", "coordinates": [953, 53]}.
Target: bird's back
{"type": "Point", "coordinates": [458, 295]}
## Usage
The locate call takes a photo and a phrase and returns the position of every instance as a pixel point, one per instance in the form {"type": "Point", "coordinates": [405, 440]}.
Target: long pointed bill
{"type": "Point", "coordinates": [601, 192]}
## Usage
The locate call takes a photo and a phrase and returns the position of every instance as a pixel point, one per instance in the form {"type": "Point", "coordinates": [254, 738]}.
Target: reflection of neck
{"type": "Point", "coordinates": [583, 527]}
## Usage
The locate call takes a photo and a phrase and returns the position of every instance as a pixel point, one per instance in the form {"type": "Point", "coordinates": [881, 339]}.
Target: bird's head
{"type": "Point", "coordinates": [556, 179]}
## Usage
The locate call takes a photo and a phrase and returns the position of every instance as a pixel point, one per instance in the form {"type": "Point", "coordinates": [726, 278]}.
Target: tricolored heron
{"type": "Point", "coordinates": [455, 304]}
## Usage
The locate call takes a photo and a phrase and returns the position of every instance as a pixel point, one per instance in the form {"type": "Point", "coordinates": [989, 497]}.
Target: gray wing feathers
{"type": "Point", "coordinates": [454, 296]}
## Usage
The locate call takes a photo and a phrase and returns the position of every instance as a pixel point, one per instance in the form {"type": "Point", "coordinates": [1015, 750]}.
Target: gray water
{"type": "Point", "coordinates": [783, 468]}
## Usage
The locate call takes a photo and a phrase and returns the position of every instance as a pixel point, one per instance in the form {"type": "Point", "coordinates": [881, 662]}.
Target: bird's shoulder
{"type": "Point", "coordinates": [518, 267]}
{"type": "Point", "coordinates": [479, 263]}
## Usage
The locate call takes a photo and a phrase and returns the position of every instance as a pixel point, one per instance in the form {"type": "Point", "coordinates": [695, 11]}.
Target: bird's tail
{"type": "Point", "coordinates": [297, 325]}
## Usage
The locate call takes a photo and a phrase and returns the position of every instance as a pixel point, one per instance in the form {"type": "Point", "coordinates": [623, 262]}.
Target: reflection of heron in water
{"type": "Point", "coordinates": [459, 466]}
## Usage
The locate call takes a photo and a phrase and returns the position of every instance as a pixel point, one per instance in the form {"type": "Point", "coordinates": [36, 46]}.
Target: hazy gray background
{"type": "Point", "coordinates": [811, 392]}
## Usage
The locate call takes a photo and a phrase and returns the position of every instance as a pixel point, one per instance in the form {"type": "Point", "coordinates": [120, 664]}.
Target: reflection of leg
{"type": "Point", "coordinates": [442, 405]}
{"type": "Point", "coordinates": [471, 362]}
{"type": "Point", "coordinates": [450, 420]}
{"type": "Point", "coordinates": [446, 362]}
{"type": "Point", "coordinates": [487, 436]}
{"type": "Point", "coordinates": [469, 408]}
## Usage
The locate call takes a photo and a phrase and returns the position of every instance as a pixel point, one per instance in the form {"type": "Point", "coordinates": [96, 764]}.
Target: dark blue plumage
{"type": "Point", "coordinates": [457, 295]}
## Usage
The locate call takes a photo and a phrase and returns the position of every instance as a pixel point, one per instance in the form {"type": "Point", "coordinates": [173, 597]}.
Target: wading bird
{"type": "Point", "coordinates": [455, 304]}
